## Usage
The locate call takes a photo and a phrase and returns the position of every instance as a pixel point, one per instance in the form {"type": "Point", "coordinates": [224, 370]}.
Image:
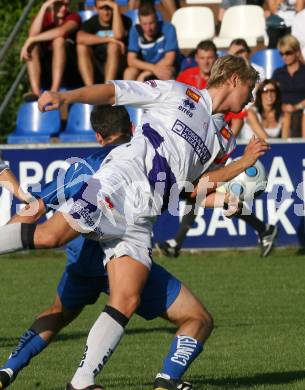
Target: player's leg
{"type": "Point", "coordinates": [164, 295]}
{"type": "Point", "coordinates": [36, 339]}
{"type": "Point", "coordinates": [59, 59]}
{"type": "Point", "coordinates": [127, 278]}
{"type": "Point", "coordinates": [195, 325]}
{"type": "Point", "coordinates": [54, 232]}
{"type": "Point", "coordinates": [267, 233]}
{"type": "Point", "coordinates": [171, 247]}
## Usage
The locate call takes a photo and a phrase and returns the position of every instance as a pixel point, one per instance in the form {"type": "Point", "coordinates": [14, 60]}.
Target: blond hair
{"type": "Point", "coordinates": [228, 65]}
{"type": "Point", "coordinates": [289, 42]}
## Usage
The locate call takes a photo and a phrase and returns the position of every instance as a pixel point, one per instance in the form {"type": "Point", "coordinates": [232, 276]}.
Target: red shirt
{"type": "Point", "coordinates": [192, 76]}
{"type": "Point", "coordinates": [49, 22]}
{"type": "Point", "coordinates": [231, 115]}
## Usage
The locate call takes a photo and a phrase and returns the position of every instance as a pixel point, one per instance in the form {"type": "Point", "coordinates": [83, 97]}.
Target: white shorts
{"type": "Point", "coordinates": [117, 208]}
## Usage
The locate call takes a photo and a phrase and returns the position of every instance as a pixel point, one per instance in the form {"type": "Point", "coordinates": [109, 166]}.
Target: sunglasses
{"type": "Point", "coordinates": [286, 53]}
{"type": "Point", "coordinates": [269, 90]}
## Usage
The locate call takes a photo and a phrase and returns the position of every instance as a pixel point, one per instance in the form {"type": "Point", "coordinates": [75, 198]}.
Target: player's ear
{"type": "Point", "coordinates": [234, 79]}
{"type": "Point", "coordinates": [99, 138]}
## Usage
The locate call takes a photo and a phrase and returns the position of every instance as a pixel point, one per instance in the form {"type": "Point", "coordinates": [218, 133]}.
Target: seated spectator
{"type": "Point", "coordinates": [285, 9]}
{"type": "Point", "coordinates": [169, 5]}
{"type": "Point", "coordinates": [50, 46]}
{"type": "Point", "coordinates": [152, 49]}
{"type": "Point", "coordinates": [266, 116]}
{"type": "Point", "coordinates": [205, 56]}
{"type": "Point", "coordinates": [239, 47]}
{"type": "Point", "coordinates": [101, 42]}
{"type": "Point", "coordinates": [291, 78]}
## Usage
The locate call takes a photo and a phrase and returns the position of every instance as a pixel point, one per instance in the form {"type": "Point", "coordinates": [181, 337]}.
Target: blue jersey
{"type": "Point", "coordinates": [153, 51]}
{"type": "Point", "coordinates": [84, 256]}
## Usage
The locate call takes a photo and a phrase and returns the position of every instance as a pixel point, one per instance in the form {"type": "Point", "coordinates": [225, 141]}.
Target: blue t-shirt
{"type": "Point", "coordinates": [84, 256]}
{"type": "Point", "coordinates": [153, 51]}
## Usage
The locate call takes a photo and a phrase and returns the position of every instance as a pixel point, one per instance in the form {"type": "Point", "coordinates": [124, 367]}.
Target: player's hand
{"type": "Point", "coordinates": [232, 206]}
{"type": "Point", "coordinates": [49, 101]}
{"type": "Point", "coordinates": [256, 148]}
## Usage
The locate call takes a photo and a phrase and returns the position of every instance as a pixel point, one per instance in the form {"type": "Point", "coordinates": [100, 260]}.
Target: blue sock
{"type": "Point", "coordinates": [30, 344]}
{"type": "Point", "coordinates": [183, 351]}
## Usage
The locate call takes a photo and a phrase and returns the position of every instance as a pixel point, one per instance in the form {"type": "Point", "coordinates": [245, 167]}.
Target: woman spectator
{"type": "Point", "coordinates": [291, 78]}
{"type": "Point", "coordinates": [266, 113]}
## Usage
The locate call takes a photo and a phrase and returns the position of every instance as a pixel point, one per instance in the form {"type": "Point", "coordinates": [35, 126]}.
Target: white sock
{"type": "Point", "coordinates": [10, 238]}
{"type": "Point", "coordinates": [102, 340]}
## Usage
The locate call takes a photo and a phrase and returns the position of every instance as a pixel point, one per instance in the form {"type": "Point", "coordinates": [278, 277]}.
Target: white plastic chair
{"type": "Point", "coordinates": [193, 24]}
{"type": "Point", "coordinates": [242, 21]}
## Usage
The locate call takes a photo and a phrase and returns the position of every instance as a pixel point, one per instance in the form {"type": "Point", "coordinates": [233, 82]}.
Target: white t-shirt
{"type": "Point", "coordinates": [298, 29]}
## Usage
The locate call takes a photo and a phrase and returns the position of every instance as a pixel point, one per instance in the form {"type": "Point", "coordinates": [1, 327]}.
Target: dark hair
{"type": "Point", "coordinates": [108, 120]}
{"type": "Point", "coordinates": [277, 106]}
{"type": "Point", "coordinates": [241, 42]}
{"type": "Point", "coordinates": [207, 45]}
{"type": "Point", "coordinates": [147, 8]}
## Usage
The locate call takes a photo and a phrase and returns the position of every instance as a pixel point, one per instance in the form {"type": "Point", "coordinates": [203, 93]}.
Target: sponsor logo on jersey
{"type": "Point", "coordinates": [193, 139]}
{"type": "Point", "coordinates": [225, 133]}
{"type": "Point", "coordinates": [193, 95]}
{"type": "Point", "coordinates": [187, 106]}
{"type": "Point", "coordinates": [152, 83]}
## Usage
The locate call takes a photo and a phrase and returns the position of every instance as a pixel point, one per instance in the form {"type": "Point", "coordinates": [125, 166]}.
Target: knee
{"type": "Point", "coordinates": [44, 239]}
{"type": "Point", "coordinates": [127, 305]}
{"type": "Point", "coordinates": [58, 42]}
{"type": "Point", "coordinates": [113, 49]}
{"type": "Point", "coordinates": [81, 48]}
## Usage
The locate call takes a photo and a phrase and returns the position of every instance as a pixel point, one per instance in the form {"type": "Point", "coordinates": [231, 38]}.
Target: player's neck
{"type": "Point", "coordinates": [219, 100]}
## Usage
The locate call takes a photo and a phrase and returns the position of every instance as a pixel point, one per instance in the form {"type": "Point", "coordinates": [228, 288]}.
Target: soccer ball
{"type": "Point", "coordinates": [248, 184]}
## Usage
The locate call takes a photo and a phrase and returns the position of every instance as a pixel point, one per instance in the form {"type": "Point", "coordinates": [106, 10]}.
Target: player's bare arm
{"type": "Point", "coordinates": [95, 94]}
{"type": "Point", "coordinates": [210, 180]}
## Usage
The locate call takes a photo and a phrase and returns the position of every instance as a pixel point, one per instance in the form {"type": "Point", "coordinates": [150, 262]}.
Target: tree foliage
{"type": "Point", "coordinates": [10, 12]}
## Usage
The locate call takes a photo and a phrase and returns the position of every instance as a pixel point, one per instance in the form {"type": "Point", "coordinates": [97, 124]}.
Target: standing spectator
{"type": "Point", "coordinates": [265, 116]}
{"type": "Point", "coordinates": [152, 49]}
{"type": "Point", "coordinates": [291, 78]}
{"type": "Point", "coordinates": [205, 56]}
{"type": "Point", "coordinates": [101, 42]}
{"type": "Point", "coordinates": [50, 45]}
{"type": "Point", "coordinates": [298, 30]}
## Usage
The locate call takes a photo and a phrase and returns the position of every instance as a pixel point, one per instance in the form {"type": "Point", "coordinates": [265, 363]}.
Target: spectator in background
{"type": "Point", "coordinates": [266, 116]}
{"type": "Point", "coordinates": [169, 5]}
{"type": "Point", "coordinates": [205, 56]}
{"type": "Point", "coordinates": [298, 30]}
{"type": "Point", "coordinates": [291, 78]}
{"type": "Point", "coordinates": [152, 49]}
{"type": "Point", "coordinates": [50, 45]}
{"type": "Point", "coordinates": [101, 42]}
{"type": "Point", "coordinates": [239, 47]}
{"type": "Point", "coordinates": [285, 9]}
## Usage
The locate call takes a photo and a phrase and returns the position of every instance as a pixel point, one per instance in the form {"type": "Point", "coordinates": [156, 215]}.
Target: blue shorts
{"type": "Point", "coordinates": [160, 292]}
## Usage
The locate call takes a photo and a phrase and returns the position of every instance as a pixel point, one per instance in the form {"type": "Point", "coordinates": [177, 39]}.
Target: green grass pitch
{"type": "Point", "coordinates": [258, 306]}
